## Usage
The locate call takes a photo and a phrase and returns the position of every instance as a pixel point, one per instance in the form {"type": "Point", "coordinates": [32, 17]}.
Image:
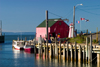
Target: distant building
{"type": "Point", "coordinates": [55, 28]}
{"type": "Point", "coordinates": [2, 40]}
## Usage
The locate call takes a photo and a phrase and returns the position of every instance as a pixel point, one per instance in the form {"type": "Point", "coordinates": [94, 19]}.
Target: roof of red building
{"type": "Point", "coordinates": [50, 22]}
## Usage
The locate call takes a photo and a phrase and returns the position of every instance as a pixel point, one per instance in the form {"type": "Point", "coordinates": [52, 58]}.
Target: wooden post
{"type": "Point", "coordinates": [86, 49]}
{"type": "Point", "coordinates": [53, 50]}
{"type": "Point", "coordinates": [75, 65]}
{"type": "Point", "coordinates": [71, 52]}
{"type": "Point", "coordinates": [67, 50]}
{"type": "Point", "coordinates": [90, 47]}
{"type": "Point", "coordinates": [71, 64]}
{"type": "Point", "coordinates": [98, 60]}
{"type": "Point", "coordinates": [79, 54]}
{"type": "Point", "coordinates": [60, 48]}
{"type": "Point", "coordinates": [83, 54]}
{"type": "Point", "coordinates": [50, 50]}
{"type": "Point", "coordinates": [79, 64]}
{"type": "Point", "coordinates": [47, 52]}
{"type": "Point", "coordinates": [64, 51]}
{"type": "Point", "coordinates": [41, 49]}
{"type": "Point", "coordinates": [45, 49]}
{"type": "Point", "coordinates": [89, 54]}
{"type": "Point", "coordinates": [35, 48]}
{"type": "Point", "coordinates": [56, 49]}
{"type": "Point", "coordinates": [67, 63]}
{"type": "Point", "coordinates": [75, 52]}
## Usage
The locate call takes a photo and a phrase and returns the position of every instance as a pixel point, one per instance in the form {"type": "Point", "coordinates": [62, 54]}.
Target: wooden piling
{"type": "Point", "coordinates": [67, 51]}
{"type": "Point", "coordinates": [56, 49]}
{"type": "Point", "coordinates": [75, 52]}
{"type": "Point", "coordinates": [41, 49]}
{"type": "Point", "coordinates": [91, 48]}
{"type": "Point", "coordinates": [98, 60]}
{"type": "Point", "coordinates": [45, 49]}
{"type": "Point", "coordinates": [64, 51]}
{"type": "Point", "coordinates": [71, 52]}
{"type": "Point", "coordinates": [79, 64]}
{"type": "Point", "coordinates": [35, 48]}
{"type": "Point", "coordinates": [75, 64]}
{"type": "Point", "coordinates": [60, 48]}
{"type": "Point", "coordinates": [79, 54]}
{"type": "Point", "coordinates": [86, 49]}
{"type": "Point", "coordinates": [89, 54]}
{"type": "Point", "coordinates": [83, 54]}
{"type": "Point", "coordinates": [50, 50]}
{"type": "Point", "coordinates": [53, 50]}
{"type": "Point", "coordinates": [71, 63]}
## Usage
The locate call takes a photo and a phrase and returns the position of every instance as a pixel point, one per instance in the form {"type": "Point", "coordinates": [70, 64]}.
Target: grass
{"type": "Point", "coordinates": [78, 39]}
{"type": "Point", "coordinates": [81, 39]}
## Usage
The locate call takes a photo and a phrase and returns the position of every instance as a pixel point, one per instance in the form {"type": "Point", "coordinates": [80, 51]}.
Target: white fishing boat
{"type": "Point", "coordinates": [18, 44]}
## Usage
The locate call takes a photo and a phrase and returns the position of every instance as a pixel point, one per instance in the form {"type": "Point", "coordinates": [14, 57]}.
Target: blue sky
{"type": "Point", "coordinates": [26, 15]}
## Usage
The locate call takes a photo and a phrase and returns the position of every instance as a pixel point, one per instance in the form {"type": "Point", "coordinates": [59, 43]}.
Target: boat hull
{"type": "Point", "coordinates": [29, 50]}
{"type": "Point", "coordinates": [18, 48]}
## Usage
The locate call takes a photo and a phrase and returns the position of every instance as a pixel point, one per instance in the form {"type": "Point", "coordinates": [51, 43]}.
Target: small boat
{"type": "Point", "coordinates": [18, 44]}
{"type": "Point", "coordinates": [28, 48]}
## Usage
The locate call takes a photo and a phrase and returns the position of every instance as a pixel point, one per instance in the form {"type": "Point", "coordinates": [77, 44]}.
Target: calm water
{"type": "Point", "coordinates": [15, 58]}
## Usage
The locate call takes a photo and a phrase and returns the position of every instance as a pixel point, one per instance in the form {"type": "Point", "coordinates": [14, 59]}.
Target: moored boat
{"type": "Point", "coordinates": [28, 48]}
{"type": "Point", "coordinates": [18, 44]}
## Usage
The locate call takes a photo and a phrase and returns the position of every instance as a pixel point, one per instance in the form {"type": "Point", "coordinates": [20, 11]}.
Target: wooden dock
{"type": "Point", "coordinates": [85, 53]}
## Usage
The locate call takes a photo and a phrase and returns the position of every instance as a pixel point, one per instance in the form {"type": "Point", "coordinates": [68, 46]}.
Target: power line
{"type": "Point", "coordinates": [88, 12]}
{"type": "Point", "coordinates": [90, 8]}
{"type": "Point", "coordinates": [59, 16]}
{"type": "Point", "coordinates": [69, 13]}
{"type": "Point", "coordinates": [55, 14]}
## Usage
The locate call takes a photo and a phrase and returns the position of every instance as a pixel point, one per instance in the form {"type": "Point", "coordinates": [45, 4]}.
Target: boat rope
{"type": "Point", "coordinates": [93, 59]}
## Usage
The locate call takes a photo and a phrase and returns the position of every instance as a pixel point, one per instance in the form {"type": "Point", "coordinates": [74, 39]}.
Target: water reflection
{"type": "Point", "coordinates": [22, 58]}
{"type": "Point", "coordinates": [16, 58]}
{"type": "Point", "coordinates": [16, 53]}
{"type": "Point", "coordinates": [52, 62]}
{"type": "Point", "coordinates": [0, 47]}
{"type": "Point", "coordinates": [79, 64]}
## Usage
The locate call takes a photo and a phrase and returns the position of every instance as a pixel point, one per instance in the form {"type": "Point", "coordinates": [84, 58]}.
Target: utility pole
{"type": "Point", "coordinates": [73, 20]}
{"type": "Point", "coordinates": [47, 30]}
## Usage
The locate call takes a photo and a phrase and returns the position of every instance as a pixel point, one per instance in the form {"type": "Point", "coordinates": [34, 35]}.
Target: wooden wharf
{"type": "Point", "coordinates": [85, 53]}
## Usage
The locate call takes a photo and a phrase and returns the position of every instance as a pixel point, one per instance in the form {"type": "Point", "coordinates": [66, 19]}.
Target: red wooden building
{"type": "Point", "coordinates": [55, 28]}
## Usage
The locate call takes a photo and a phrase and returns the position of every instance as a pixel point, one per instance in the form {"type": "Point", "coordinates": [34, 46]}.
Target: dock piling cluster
{"type": "Point", "coordinates": [73, 52]}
